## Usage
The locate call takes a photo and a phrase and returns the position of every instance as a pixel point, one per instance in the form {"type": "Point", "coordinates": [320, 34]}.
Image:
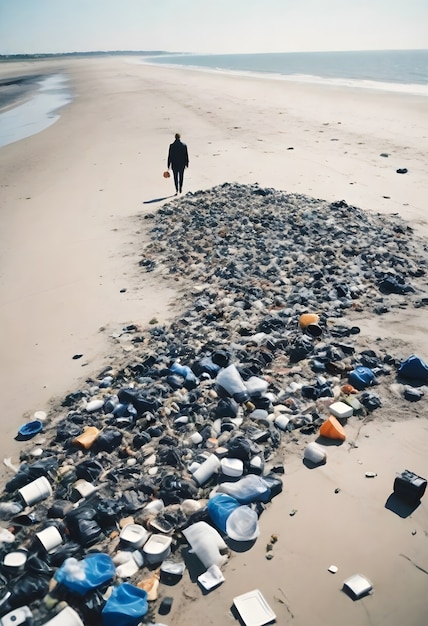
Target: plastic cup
{"type": "Point", "coordinates": [36, 491]}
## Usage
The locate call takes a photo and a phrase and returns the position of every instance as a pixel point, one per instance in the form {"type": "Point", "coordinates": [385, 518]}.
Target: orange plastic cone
{"type": "Point", "coordinates": [333, 429]}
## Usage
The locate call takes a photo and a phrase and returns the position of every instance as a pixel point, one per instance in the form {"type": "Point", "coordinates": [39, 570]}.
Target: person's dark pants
{"type": "Point", "coordinates": [178, 178]}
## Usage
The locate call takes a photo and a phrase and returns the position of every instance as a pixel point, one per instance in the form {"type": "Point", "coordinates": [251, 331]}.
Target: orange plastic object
{"type": "Point", "coordinates": [333, 429]}
{"type": "Point", "coordinates": [308, 318]}
{"type": "Point", "coordinates": [347, 389]}
{"type": "Point", "coordinates": [87, 438]}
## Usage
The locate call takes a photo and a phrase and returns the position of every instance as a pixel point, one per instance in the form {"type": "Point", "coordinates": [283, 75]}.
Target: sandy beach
{"type": "Point", "coordinates": [72, 199]}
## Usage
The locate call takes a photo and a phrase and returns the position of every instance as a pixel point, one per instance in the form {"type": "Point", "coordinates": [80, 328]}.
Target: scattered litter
{"type": "Point", "coordinates": [333, 569]}
{"type": "Point", "coordinates": [357, 586]}
{"type": "Point", "coordinates": [253, 608]}
{"type": "Point", "coordinates": [370, 474]}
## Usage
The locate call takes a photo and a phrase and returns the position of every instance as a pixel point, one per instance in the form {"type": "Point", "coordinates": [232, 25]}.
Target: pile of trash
{"type": "Point", "coordinates": [176, 452]}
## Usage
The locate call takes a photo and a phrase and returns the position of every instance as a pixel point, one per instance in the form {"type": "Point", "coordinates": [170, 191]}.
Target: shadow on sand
{"type": "Point", "coordinates": [158, 199]}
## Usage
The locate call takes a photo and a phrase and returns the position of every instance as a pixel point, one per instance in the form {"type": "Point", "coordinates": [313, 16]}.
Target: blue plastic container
{"type": "Point", "coordinates": [125, 607]}
{"type": "Point", "coordinates": [97, 569]}
{"type": "Point", "coordinates": [219, 508]}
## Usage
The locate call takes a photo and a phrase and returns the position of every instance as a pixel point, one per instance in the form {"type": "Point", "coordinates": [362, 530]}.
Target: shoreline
{"type": "Point", "coordinates": [75, 217]}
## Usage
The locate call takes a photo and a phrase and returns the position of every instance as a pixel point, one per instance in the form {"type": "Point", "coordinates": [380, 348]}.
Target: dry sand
{"type": "Point", "coordinates": [69, 245]}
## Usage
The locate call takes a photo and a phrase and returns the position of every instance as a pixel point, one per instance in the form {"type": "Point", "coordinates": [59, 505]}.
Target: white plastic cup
{"type": "Point", "coordinates": [36, 491]}
{"type": "Point", "coordinates": [50, 538]}
{"type": "Point", "coordinates": [207, 469]}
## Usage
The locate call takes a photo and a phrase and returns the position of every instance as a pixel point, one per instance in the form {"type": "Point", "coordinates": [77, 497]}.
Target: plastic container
{"type": "Point", "coordinates": [87, 438]}
{"type": "Point", "coordinates": [36, 491]}
{"type": "Point", "coordinates": [157, 548]}
{"type": "Point", "coordinates": [332, 429]}
{"type": "Point", "coordinates": [409, 487]}
{"type": "Point", "coordinates": [219, 507]}
{"type": "Point", "coordinates": [230, 380]}
{"type": "Point", "coordinates": [250, 488]}
{"type": "Point", "coordinates": [207, 469]}
{"type": "Point", "coordinates": [125, 607]}
{"type": "Point", "coordinates": [361, 377]}
{"type": "Point", "coordinates": [341, 410]}
{"type": "Point", "coordinates": [134, 535]}
{"type": "Point", "coordinates": [50, 538]}
{"type": "Point", "coordinates": [315, 453]}
{"type": "Point", "coordinates": [232, 467]}
{"type": "Point", "coordinates": [14, 561]}
{"type": "Point", "coordinates": [92, 572]}
{"type": "Point", "coordinates": [243, 524]}
{"type": "Point", "coordinates": [309, 323]}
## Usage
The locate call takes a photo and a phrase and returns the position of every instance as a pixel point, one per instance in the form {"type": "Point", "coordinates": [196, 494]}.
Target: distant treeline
{"type": "Point", "coordinates": [26, 57]}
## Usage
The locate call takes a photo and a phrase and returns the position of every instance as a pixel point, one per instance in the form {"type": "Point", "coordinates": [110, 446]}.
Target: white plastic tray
{"type": "Point", "coordinates": [253, 609]}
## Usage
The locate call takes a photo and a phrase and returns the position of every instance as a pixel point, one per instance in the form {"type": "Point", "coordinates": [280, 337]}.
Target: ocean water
{"type": "Point", "coordinates": [404, 71]}
{"type": "Point", "coordinates": [39, 112]}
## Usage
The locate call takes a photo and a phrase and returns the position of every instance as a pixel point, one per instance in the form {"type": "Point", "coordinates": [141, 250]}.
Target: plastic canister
{"type": "Point", "coordinates": [36, 491]}
{"type": "Point", "coordinates": [207, 469]}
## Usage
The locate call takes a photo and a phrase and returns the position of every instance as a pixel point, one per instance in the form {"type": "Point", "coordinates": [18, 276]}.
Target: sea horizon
{"type": "Point", "coordinates": [399, 71]}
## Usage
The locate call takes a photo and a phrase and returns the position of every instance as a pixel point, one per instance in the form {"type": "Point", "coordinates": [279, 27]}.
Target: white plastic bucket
{"type": "Point", "coordinates": [50, 538]}
{"type": "Point", "coordinates": [36, 491]}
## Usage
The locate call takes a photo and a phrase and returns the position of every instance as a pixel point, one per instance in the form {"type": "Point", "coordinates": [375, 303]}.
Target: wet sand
{"type": "Point", "coordinates": [70, 240]}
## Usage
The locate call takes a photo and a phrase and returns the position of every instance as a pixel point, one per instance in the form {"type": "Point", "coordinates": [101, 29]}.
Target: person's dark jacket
{"type": "Point", "coordinates": [178, 157]}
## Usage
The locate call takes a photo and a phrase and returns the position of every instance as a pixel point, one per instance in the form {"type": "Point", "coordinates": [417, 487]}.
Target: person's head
{"type": "Point", "coordinates": [177, 136]}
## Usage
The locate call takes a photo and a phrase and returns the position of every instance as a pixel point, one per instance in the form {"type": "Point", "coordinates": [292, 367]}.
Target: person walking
{"type": "Point", "coordinates": [178, 160]}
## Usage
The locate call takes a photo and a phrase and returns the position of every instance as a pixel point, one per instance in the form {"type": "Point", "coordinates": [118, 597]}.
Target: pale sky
{"type": "Point", "coordinates": [211, 26]}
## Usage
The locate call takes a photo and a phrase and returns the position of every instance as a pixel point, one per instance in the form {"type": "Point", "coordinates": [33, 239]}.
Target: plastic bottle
{"type": "Point", "coordinates": [230, 380]}
{"type": "Point", "coordinates": [207, 469]}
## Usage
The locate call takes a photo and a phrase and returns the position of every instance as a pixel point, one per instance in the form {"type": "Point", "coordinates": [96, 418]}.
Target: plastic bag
{"type": "Point", "coordinates": [414, 368]}
{"type": "Point", "coordinates": [219, 508]}
{"type": "Point", "coordinates": [126, 606]}
{"type": "Point", "coordinates": [250, 488]}
{"type": "Point", "coordinates": [83, 576]}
